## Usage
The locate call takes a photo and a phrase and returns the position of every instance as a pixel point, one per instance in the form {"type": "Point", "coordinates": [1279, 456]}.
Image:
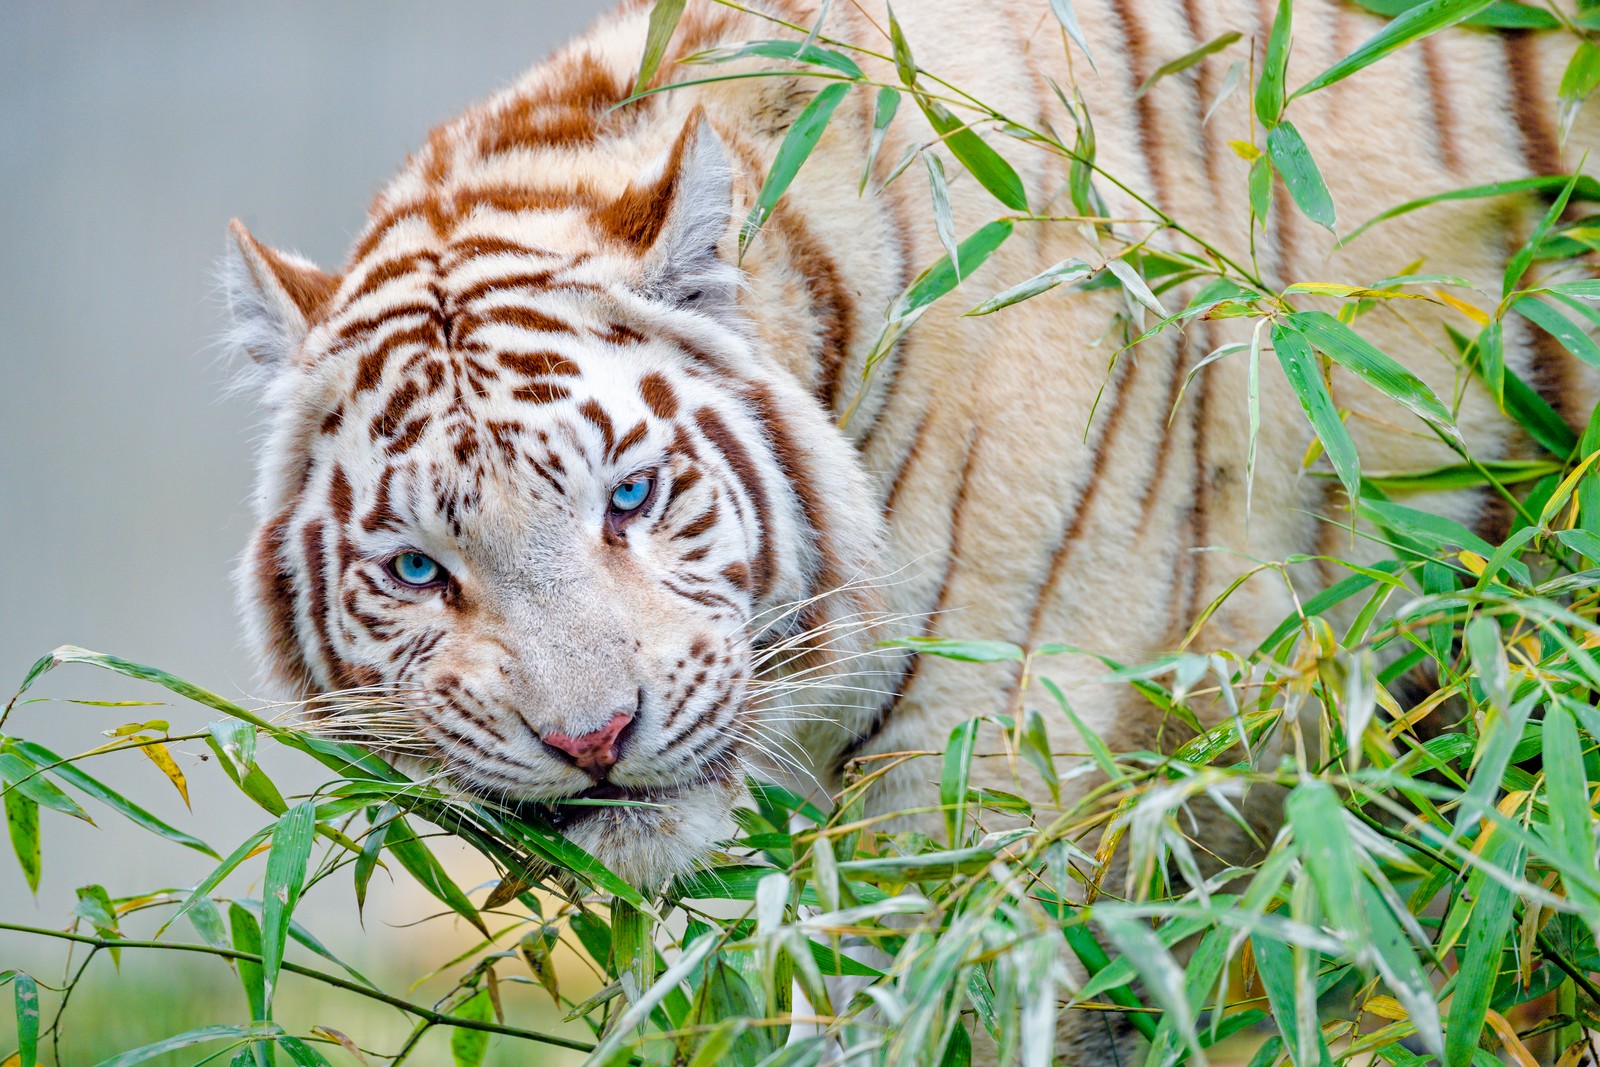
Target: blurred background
{"type": "Point", "coordinates": [132, 133]}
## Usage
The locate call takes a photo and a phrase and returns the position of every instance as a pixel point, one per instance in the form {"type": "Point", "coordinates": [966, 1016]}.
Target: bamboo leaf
{"type": "Point", "coordinates": [415, 857]}
{"type": "Point", "coordinates": [25, 996]}
{"type": "Point", "coordinates": [1415, 23]}
{"type": "Point", "coordinates": [1067, 271]}
{"type": "Point", "coordinates": [286, 874]}
{"type": "Point", "coordinates": [1187, 60]}
{"type": "Point", "coordinates": [1069, 21]}
{"type": "Point", "coordinates": [1300, 174]}
{"type": "Point", "coordinates": [468, 1047]}
{"type": "Point", "coordinates": [21, 775]}
{"type": "Point", "coordinates": [1305, 378]}
{"type": "Point", "coordinates": [1135, 285]}
{"type": "Point", "coordinates": [953, 782]}
{"type": "Point", "coordinates": [982, 161]}
{"type": "Point", "coordinates": [883, 112]}
{"type": "Point", "coordinates": [246, 936]}
{"type": "Point", "coordinates": [1572, 336]}
{"type": "Point", "coordinates": [1358, 355]}
{"type": "Point", "coordinates": [162, 758]}
{"type": "Point", "coordinates": [799, 51]}
{"type": "Point", "coordinates": [1260, 181]}
{"type": "Point", "coordinates": [22, 820]}
{"type": "Point", "coordinates": [663, 20]}
{"type": "Point", "coordinates": [197, 1036]}
{"type": "Point", "coordinates": [943, 221]}
{"type": "Point", "coordinates": [1270, 87]}
{"type": "Point", "coordinates": [796, 147]}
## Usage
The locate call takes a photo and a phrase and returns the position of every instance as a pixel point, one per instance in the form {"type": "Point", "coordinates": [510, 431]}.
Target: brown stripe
{"type": "Point", "coordinates": [627, 441]}
{"type": "Point", "coordinates": [659, 396]}
{"type": "Point", "coordinates": [1136, 41]}
{"type": "Point", "coordinates": [1199, 515]}
{"type": "Point", "coordinates": [1444, 116]}
{"type": "Point", "coordinates": [1528, 107]}
{"type": "Point", "coordinates": [720, 437]}
{"type": "Point", "coordinates": [830, 304]}
{"type": "Point", "coordinates": [907, 460]}
{"type": "Point", "coordinates": [595, 415]}
{"type": "Point", "coordinates": [275, 597]}
{"type": "Point", "coordinates": [909, 676]}
{"type": "Point", "coordinates": [316, 561]}
{"type": "Point", "coordinates": [1167, 446]}
{"type": "Point", "coordinates": [1081, 508]}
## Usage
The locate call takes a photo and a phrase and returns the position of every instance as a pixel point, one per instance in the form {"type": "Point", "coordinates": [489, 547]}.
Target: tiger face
{"type": "Point", "coordinates": [533, 508]}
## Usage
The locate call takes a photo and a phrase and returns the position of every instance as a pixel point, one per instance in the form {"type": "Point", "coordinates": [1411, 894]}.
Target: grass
{"type": "Point", "coordinates": [1435, 872]}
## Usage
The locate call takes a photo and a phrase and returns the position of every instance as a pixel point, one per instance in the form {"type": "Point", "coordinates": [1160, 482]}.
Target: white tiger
{"type": "Point", "coordinates": [554, 467]}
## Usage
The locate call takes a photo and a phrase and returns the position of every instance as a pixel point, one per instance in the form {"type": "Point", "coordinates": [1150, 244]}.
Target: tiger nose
{"type": "Point", "coordinates": [592, 752]}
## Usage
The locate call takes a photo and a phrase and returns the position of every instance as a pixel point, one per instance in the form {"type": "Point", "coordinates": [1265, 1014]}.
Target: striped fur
{"type": "Point", "coordinates": [543, 303]}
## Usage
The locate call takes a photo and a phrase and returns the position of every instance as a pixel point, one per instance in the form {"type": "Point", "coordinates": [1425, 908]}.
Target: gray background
{"type": "Point", "coordinates": [129, 135]}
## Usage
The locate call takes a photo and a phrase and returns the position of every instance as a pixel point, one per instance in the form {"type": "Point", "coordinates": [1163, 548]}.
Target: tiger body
{"type": "Point", "coordinates": [535, 310]}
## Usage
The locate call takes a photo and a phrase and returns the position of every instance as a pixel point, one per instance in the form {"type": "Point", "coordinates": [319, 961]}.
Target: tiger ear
{"type": "Point", "coordinates": [273, 297]}
{"type": "Point", "coordinates": [677, 220]}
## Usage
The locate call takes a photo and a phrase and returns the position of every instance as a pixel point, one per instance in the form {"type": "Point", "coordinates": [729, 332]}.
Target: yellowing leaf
{"type": "Point", "coordinates": [162, 758]}
{"type": "Point", "coordinates": [1245, 150]}
{"type": "Point", "coordinates": [1477, 315]}
{"type": "Point", "coordinates": [1387, 1008]}
{"type": "Point", "coordinates": [1473, 562]}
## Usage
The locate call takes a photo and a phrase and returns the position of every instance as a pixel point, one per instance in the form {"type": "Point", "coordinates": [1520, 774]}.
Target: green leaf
{"type": "Point", "coordinates": [1261, 187]}
{"type": "Point", "coordinates": [1069, 22]}
{"type": "Point", "coordinates": [904, 65]}
{"type": "Point", "coordinates": [883, 112]}
{"type": "Point", "coordinates": [93, 787]}
{"type": "Point", "coordinates": [467, 1047]}
{"type": "Point", "coordinates": [1275, 967]}
{"type": "Point", "coordinates": [371, 849]}
{"type": "Point", "coordinates": [1187, 60]}
{"type": "Point", "coordinates": [1432, 533]}
{"type": "Point", "coordinates": [969, 651]}
{"type": "Point", "coordinates": [1415, 23]}
{"type": "Point", "coordinates": [247, 938]}
{"type": "Point", "coordinates": [1572, 336]}
{"type": "Point", "coordinates": [1519, 263]}
{"type": "Point", "coordinates": [1067, 271]}
{"type": "Point", "coordinates": [1300, 367]}
{"type": "Point", "coordinates": [177, 1041]}
{"type": "Point", "coordinates": [21, 775]}
{"type": "Point", "coordinates": [797, 145]}
{"type": "Point", "coordinates": [22, 820]}
{"type": "Point", "coordinates": [301, 1053]}
{"type": "Point", "coordinates": [286, 875]}
{"type": "Point", "coordinates": [415, 857]}
{"type": "Point", "coordinates": [1300, 174]}
{"type": "Point", "coordinates": [1567, 790]}
{"type": "Point", "coordinates": [1358, 355]}
{"type": "Point", "coordinates": [663, 20]}
{"type": "Point", "coordinates": [25, 995]}
{"type": "Point", "coordinates": [953, 781]}
{"type": "Point", "coordinates": [1270, 87]}
{"type": "Point", "coordinates": [1586, 189]}
{"type": "Point", "coordinates": [1502, 14]}
{"type": "Point", "coordinates": [943, 221]}
{"type": "Point", "coordinates": [799, 51]}
{"type": "Point", "coordinates": [1131, 280]}
{"type": "Point", "coordinates": [1490, 903]}
{"type": "Point", "coordinates": [984, 163]}
{"type": "Point", "coordinates": [1318, 820]}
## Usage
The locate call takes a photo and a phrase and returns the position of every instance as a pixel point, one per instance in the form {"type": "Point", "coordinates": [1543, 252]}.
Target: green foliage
{"type": "Point", "coordinates": [1433, 879]}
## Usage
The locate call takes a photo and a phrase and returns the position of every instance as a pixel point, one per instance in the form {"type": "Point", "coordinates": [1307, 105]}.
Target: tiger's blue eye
{"type": "Point", "coordinates": [630, 494]}
{"type": "Point", "coordinates": [413, 568]}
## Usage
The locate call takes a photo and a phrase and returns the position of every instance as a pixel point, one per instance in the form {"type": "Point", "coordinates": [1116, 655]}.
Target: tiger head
{"type": "Point", "coordinates": [535, 511]}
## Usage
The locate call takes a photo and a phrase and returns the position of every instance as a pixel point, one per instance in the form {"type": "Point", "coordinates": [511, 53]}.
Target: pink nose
{"type": "Point", "coordinates": [593, 751]}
